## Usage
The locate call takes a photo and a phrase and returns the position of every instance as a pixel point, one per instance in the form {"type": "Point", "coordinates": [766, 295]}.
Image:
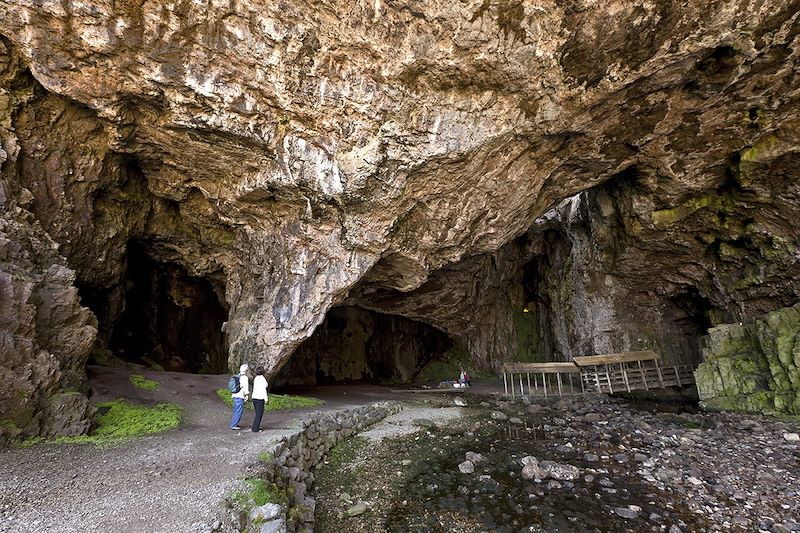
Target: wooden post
{"type": "Point", "coordinates": [558, 377]}
{"type": "Point", "coordinates": [505, 382]}
{"type": "Point", "coordinates": [583, 390]}
{"type": "Point", "coordinates": [597, 379]}
{"type": "Point", "coordinates": [521, 388]}
{"type": "Point", "coordinates": [530, 392]}
{"type": "Point", "coordinates": [644, 378]}
{"type": "Point", "coordinates": [511, 379]}
{"type": "Point", "coordinates": [571, 388]}
{"type": "Point", "coordinates": [678, 376]}
{"type": "Point", "coordinates": [625, 376]}
{"type": "Point", "coordinates": [658, 370]}
{"type": "Point", "coordinates": [544, 382]}
{"type": "Point", "coordinates": [608, 377]}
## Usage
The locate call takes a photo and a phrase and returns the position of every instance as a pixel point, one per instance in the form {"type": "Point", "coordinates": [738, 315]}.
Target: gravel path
{"type": "Point", "coordinates": [167, 482]}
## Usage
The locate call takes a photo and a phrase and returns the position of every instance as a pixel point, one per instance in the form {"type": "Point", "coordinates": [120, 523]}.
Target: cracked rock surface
{"type": "Point", "coordinates": [410, 158]}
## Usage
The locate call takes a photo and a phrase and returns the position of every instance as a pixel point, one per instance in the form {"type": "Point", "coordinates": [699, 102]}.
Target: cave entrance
{"type": "Point", "coordinates": [170, 318]}
{"type": "Point", "coordinates": [354, 344]}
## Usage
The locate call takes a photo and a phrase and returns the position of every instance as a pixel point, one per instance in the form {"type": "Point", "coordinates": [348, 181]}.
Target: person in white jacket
{"type": "Point", "coordinates": [240, 397]}
{"type": "Point", "coordinates": [259, 397]}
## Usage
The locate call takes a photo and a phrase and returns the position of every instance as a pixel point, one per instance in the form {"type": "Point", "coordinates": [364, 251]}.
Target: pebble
{"type": "Point", "coordinates": [357, 509]}
{"type": "Point", "coordinates": [626, 512]}
{"type": "Point", "coordinates": [474, 457]}
{"type": "Point", "coordinates": [791, 437]}
{"type": "Point", "coordinates": [467, 467]}
{"type": "Point", "coordinates": [423, 423]}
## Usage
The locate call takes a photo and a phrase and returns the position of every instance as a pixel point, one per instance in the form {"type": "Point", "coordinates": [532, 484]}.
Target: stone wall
{"type": "Point", "coordinates": [289, 472]}
{"type": "Point", "coordinates": [753, 366]}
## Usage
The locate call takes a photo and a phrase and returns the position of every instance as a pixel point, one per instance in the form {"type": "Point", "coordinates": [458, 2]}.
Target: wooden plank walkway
{"type": "Point", "coordinates": [607, 373]}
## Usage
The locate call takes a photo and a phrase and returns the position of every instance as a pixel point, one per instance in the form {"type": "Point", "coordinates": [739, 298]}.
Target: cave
{"type": "Point", "coordinates": [356, 345]}
{"type": "Point", "coordinates": [168, 318]}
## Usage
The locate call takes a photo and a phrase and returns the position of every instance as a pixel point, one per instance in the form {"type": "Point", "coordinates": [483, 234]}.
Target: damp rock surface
{"type": "Point", "coordinates": [717, 475]}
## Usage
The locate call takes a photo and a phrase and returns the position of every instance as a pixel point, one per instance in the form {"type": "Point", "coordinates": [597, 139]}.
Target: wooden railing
{"type": "Point", "coordinates": [607, 373]}
{"type": "Point", "coordinates": [551, 374]}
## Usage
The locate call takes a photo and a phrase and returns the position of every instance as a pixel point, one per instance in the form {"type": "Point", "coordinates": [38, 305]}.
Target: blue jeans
{"type": "Point", "coordinates": [238, 408]}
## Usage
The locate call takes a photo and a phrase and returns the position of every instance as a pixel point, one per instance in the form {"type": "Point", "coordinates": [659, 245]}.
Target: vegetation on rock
{"type": "Point", "coordinates": [120, 421]}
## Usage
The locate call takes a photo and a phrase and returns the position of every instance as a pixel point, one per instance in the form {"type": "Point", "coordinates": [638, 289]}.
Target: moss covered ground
{"type": "Point", "coordinates": [120, 421]}
{"type": "Point", "coordinates": [141, 382]}
{"type": "Point", "coordinates": [276, 401]}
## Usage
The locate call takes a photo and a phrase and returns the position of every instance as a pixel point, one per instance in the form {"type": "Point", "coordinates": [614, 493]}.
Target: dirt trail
{"type": "Point", "coordinates": [167, 482]}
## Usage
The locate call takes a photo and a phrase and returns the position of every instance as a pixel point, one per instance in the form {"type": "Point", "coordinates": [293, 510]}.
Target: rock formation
{"type": "Point", "coordinates": [753, 366]}
{"type": "Point", "coordinates": [412, 159]}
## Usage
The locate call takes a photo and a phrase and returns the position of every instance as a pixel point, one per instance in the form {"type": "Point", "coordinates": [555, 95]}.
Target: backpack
{"type": "Point", "coordinates": [233, 384]}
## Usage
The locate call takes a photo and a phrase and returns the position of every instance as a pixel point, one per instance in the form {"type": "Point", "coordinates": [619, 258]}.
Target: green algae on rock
{"type": "Point", "coordinates": [753, 366]}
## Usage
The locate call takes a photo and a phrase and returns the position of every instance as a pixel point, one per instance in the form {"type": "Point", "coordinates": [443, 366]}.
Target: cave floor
{"type": "Point", "coordinates": [171, 481]}
{"type": "Point", "coordinates": [698, 472]}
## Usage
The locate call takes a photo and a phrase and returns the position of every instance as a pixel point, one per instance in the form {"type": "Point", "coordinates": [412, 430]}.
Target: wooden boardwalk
{"type": "Point", "coordinates": [607, 373]}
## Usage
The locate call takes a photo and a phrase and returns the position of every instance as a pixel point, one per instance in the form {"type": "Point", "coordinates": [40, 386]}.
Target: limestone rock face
{"type": "Point", "coordinates": [411, 157]}
{"type": "Point", "coordinates": [753, 366]}
{"type": "Point", "coordinates": [45, 335]}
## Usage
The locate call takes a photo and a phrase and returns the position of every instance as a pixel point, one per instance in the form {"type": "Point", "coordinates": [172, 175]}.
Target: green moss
{"type": "Point", "coordinates": [265, 457]}
{"type": "Point", "coordinates": [121, 421]}
{"type": "Point", "coordinates": [9, 430]}
{"type": "Point", "coordinates": [526, 327]}
{"type": "Point", "coordinates": [259, 493]}
{"type": "Point", "coordinates": [280, 401]}
{"type": "Point", "coordinates": [667, 217]}
{"type": "Point", "coordinates": [749, 279]}
{"type": "Point", "coordinates": [225, 396]}
{"type": "Point", "coordinates": [276, 401]}
{"type": "Point", "coordinates": [755, 152]}
{"type": "Point", "coordinates": [141, 382]}
{"type": "Point", "coordinates": [105, 358]}
{"type": "Point", "coordinates": [760, 403]}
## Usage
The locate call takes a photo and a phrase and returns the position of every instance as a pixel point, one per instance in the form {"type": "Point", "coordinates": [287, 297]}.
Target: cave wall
{"type": "Point", "coordinates": [608, 270]}
{"type": "Point", "coordinates": [354, 344]}
{"type": "Point", "coordinates": [293, 152]}
{"type": "Point", "coordinates": [383, 154]}
{"type": "Point", "coordinates": [45, 334]}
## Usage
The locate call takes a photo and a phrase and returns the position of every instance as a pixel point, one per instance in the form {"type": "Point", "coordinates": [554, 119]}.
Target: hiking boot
{"type": "Point", "coordinates": [236, 427]}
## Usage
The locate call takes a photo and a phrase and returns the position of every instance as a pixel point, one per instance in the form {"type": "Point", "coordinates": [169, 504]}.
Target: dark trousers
{"type": "Point", "coordinates": [259, 405]}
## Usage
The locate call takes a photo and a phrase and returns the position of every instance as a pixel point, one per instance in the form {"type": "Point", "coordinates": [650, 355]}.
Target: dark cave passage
{"type": "Point", "coordinates": [354, 344]}
{"type": "Point", "coordinates": [160, 314]}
